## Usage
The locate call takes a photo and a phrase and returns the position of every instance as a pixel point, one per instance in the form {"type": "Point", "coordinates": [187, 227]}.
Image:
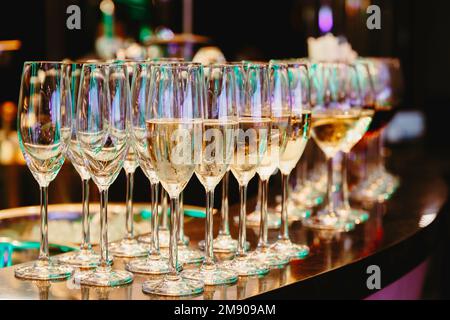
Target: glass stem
{"type": "Point", "coordinates": [380, 150]}
{"type": "Point", "coordinates": [104, 260]}
{"type": "Point", "coordinates": [345, 194]}
{"type": "Point", "coordinates": [242, 221]}
{"type": "Point", "coordinates": [209, 254]}
{"type": "Point", "coordinates": [284, 230]}
{"type": "Point", "coordinates": [224, 222]}
{"type": "Point", "coordinates": [164, 211]}
{"type": "Point", "coordinates": [43, 249]}
{"type": "Point", "coordinates": [181, 221]}
{"type": "Point", "coordinates": [330, 185]}
{"type": "Point", "coordinates": [263, 186]}
{"type": "Point", "coordinates": [129, 203]}
{"type": "Point", "coordinates": [173, 242]}
{"type": "Point", "coordinates": [86, 242]}
{"type": "Point", "coordinates": [154, 223]}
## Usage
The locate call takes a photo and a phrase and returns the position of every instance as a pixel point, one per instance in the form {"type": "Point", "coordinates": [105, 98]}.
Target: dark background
{"type": "Point", "coordinates": [415, 31]}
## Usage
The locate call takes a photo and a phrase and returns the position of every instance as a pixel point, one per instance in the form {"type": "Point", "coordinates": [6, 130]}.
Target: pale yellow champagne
{"type": "Point", "coordinates": [217, 148]}
{"type": "Point", "coordinates": [251, 144]}
{"type": "Point", "coordinates": [172, 150]}
{"type": "Point", "coordinates": [359, 130]}
{"type": "Point", "coordinates": [330, 131]}
{"type": "Point", "coordinates": [296, 142]}
{"type": "Point", "coordinates": [276, 145]}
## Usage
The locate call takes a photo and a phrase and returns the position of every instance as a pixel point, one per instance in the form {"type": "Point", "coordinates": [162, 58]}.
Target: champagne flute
{"type": "Point", "coordinates": [336, 108]}
{"type": "Point", "coordinates": [102, 131]}
{"type": "Point", "coordinates": [174, 121]}
{"type": "Point", "coordinates": [388, 84]}
{"type": "Point", "coordinates": [217, 146]}
{"type": "Point", "coordinates": [298, 92]}
{"type": "Point", "coordinates": [85, 257]}
{"type": "Point", "coordinates": [353, 137]}
{"type": "Point", "coordinates": [281, 111]}
{"type": "Point", "coordinates": [44, 128]}
{"type": "Point", "coordinates": [154, 263]}
{"type": "Point", "coordinates": [224, 243]}
{"type": "Point", "coordinates": [251, 142]}
{"type": "Point", "coordinates": [129, 247]}
{"type": "Point", "coordinates": [186, 255]}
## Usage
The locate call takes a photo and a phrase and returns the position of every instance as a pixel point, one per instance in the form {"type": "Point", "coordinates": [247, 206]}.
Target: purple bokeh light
{"type": "Point", "coordinates": [325, 19]}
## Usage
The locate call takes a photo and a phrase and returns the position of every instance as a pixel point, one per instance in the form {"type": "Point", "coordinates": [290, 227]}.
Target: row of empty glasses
{"type": "Point", "coordinates": [174, 119]}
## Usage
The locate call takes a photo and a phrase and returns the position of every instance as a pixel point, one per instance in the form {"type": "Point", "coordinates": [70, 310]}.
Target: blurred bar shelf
{"type": "Point", "coordinates": [398, 238]}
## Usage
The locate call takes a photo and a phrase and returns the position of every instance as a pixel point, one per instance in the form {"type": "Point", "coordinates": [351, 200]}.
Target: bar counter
{"type": "Point", "coordinates": [398, 238]}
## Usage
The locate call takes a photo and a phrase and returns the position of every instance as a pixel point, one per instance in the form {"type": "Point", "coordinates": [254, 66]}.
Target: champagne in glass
{"type": "Point", "coordinates": [217, 146]}
{"type": "Point", "coordinates": [281, 111]}
{"type": "Point", "coordinates": [336, 99]}
{"type": "Point", "coordinates": [298, 135]}
{"type": "Point", "coordinates": [155, 263]}
{"type": "Point", "coordinates": [254, 125]}
{"type": "Point", "coordinates": [174, 120]}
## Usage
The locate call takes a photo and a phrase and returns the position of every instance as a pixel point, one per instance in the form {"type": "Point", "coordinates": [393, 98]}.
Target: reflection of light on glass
{"type": "Point", "coordinates": [325, 19]}
{"type": "Point", "coordinates": [427, 217]}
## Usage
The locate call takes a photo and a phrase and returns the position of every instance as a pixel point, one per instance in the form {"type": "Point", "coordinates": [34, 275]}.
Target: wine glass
{"type": "Point", "coordinates": [336, 109]}
{"type": "Point", "coordinates": [353, 137]}
{"type": "Point", "coordinates": [281, 112]}
{"type": "Point", "coordinates": [174, 121]}
{"type": "Point", "coordinates": [154, 263]}
{"type": "Point", "coordinates": [297, 138]}
{"type": "Point", "coordinates": [44, 128]}
{"type": "Point", "coordinates": [186, 255]}
{"type": "Point", "coordinates": [217, 146]}
{"type": "Point", "coordinates": [163, 231]}
{"type": "Point", "coordinates": [224, 242]}
{"type": "Point", "coordinates": [129, 247]}
{"type": "Point", "coordinates": [251, 144]}
{"type": "Point", "coordinates": [387, 81]}
{"type": "Point", "coordinates": [102, 131]}
{"type": "Point", "coordinates": [85, 257]}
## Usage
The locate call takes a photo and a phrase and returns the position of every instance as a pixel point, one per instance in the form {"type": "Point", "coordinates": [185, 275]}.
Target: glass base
{"type": "Point", "coordinates": [211, 275]}
{"type": "Point", "coordinates": [83, 259]}
{"type": "Point", "coordinates": [253, 220]}
{"type": "Point", "coordinates": [358, 216]}
{"type": "Point", "coordinates": [153, 264]}
{"type": "Point", "coordinates": [246, 266]}
{"type": "Point", "coordinates": [224, 244]}
{"type": "Point", "coordinates": [376, 189]}
{"type": "Point", "coordinates": [43, 270]}
{"type": "Point", "coordinates": [295, 212]}
{"type": "Point", "coordinates": [270, 257]}
{"type": "Point", "coordinates": [187, 255]}
{"type": "Point", "coordinates": [104, 277]}
{"type": "Point", "coordinates": [307, 197]}
{"type": "Point", "coordinates": [324, 221]}
{"type": "Point", "coordinates": [292, 250]}
{"type": "Point", "coordinates": [173, 286]}
{"type": "Point", "coordinates": [128, 248]}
